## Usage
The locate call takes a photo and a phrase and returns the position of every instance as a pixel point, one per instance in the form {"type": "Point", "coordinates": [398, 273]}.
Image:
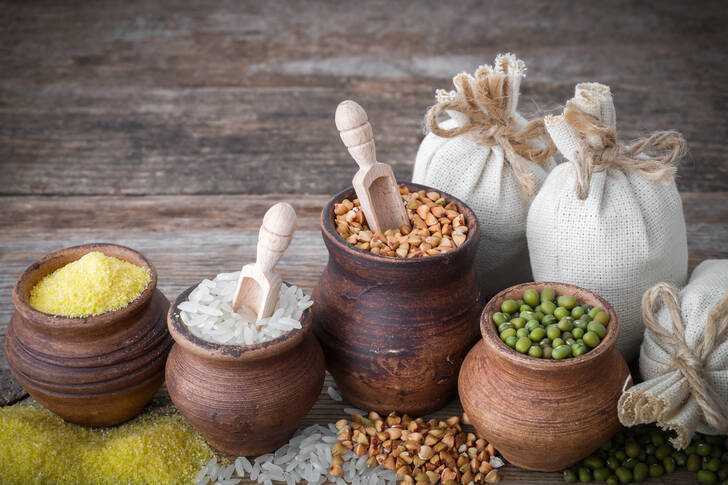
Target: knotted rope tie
{"type": "Point", "coordinates": [484, 102]}
{"type": "Point", "coordinates": [691, 363]}
{"type": "Point", "coordinates": [605, 151]}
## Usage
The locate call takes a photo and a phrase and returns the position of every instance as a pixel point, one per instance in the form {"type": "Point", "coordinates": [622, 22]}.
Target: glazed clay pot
{"type": "Point", "coordinates": [543, 414]}
{"type": "Point", "coordinates": [245, 400]}
{"type": "Point", "coordinates": [394, 330]}
{"type": "Point", "coordinates": [95, 371]}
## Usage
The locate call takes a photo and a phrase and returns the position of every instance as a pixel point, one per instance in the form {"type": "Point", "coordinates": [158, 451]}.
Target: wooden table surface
{"type": "Point", "coordinates": [171, 127]}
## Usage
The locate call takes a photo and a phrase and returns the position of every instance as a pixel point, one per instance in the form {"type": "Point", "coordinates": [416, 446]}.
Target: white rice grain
{"type": "Point", "coordinates": [334, 394]}
{"type": "Point", "coordinates": [306, 458]}
{"type": "Point", "coordinates": [208, 313]}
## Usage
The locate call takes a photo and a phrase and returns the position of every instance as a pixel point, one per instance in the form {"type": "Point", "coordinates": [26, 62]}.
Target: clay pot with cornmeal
{"type": "Point", "coordinates": [99, 370]}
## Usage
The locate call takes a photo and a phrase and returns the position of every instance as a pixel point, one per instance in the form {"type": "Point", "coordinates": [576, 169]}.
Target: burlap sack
{"type": "Point", "coordinates": [489, 157]}
{"type": "Point", "coordinates": [684, 357]}
{"type": "Point", "coordinates": [611, 219]}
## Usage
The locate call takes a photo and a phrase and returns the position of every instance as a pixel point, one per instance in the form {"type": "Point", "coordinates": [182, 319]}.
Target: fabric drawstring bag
{"type": "Point", "coordinates": [684, 358]}
{"type": "Point", "coordinates": [489, 157]}
{"type": "Point", "coordinates": [610, 220]}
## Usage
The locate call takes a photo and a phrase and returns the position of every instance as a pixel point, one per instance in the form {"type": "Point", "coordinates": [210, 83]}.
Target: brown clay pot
{"type": "Point", "coordinates": [96, 371]}
{"type": "Point", "coordinates": [245, 400]}
{"type": "Point", "coordinates": [543, 414]}
{"type": "Point", "coordinates": [394, 330]}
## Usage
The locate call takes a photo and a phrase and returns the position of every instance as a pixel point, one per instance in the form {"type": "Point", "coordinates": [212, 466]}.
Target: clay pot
{"type": "Point", "coordinates": [96, 371]}
{"type": "Point", "coordinates": [543, 414]}
{"type": "Point", "coordinates": [394, 330]}
{"type": "Point", "coordinates": [245, 400]}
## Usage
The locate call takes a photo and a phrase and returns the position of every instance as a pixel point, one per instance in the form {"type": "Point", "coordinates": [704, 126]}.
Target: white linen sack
{"type": "Point", "coordinates": [684, 357]}
{"type": "Point", "coordinates": [611, 220]}
{"type": "Point", "coordinates": [489, 157]}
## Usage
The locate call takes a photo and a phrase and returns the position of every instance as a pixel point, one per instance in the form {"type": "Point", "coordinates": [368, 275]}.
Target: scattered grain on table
{"type": "Point", "coordinates": [151, 449]}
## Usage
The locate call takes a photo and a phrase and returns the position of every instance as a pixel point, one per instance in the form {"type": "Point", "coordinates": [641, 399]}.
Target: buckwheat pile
{"type": "Point", "coordinates": [436, 227]}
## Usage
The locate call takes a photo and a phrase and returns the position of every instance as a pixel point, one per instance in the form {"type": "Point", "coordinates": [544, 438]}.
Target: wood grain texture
{"type": "Point", "coordinates": [374, 182]}
{"type": "Point", "coordinates": [95, 371]}
{"type": "Point", "coordinates": [172, 127]}
{"type": "Point", "coordinates": [507, 395]}
{"type": "Point", "coordinates": [238, 97]}
{"type": "Point", "coordinates": [245, 400]}
{"type": "Point", "coordinates": [259, 283]}
{"type": "Point", "coordinates": [212, 233]}
{"type": "Point", "coordinates": [396, 330]}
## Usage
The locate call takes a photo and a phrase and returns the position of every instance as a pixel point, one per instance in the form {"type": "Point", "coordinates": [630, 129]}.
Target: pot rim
{"type": "Point", "coordinates": [223, 352]}
{"type": "Point", "coordinates": [490, 335]}
{"type": "Point", "coordinates": [49, 320]}
{"type": "Point", "coordinates": [327, 228]}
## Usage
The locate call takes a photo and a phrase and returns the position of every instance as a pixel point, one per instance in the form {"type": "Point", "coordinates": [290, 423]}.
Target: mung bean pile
{"type": "Point", "coordinates": [437, 226]}
{"type": "Point", "coordinates": [550, 326]}
{"type": "Point", "coordinates": [635, 454]}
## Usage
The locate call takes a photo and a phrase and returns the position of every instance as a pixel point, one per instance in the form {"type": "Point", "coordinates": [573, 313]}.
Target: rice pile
{"type": "Point", "coordinates": [209, 315]}
{"type": "Point", "coordinates": [306, 457]}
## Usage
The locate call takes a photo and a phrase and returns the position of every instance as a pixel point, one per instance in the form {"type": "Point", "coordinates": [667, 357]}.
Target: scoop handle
{"type": "Point", "coordinates": [276, 232]}
{"type": "Point", "coordinates": [356, 132]}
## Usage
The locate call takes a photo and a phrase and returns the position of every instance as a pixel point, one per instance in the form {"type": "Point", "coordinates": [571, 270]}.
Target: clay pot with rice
{"type": "Point", "coordinates": [543, 414]}
{"type": "Point", "coordinates": [96, 371]}
{"type": "Point", "coordinates": [246, 400]}
{"type": "Point", "coordinates": [395, 330]}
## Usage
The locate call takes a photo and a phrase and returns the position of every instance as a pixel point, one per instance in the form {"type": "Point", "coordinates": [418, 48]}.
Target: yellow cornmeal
{"type": "Point", "coordinates": [92, 285]}
{"type": "Point", "coordinates": [38, 447]}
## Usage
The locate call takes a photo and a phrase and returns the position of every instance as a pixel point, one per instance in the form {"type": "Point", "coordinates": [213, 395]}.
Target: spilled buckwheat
{"type": "Point", "coordinates": [436, 227]}
{"type": "Point", "coordinates": [422, 452]}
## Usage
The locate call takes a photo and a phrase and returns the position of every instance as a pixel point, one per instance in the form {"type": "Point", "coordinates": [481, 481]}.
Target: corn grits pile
{"type": "Point", "coordinates": [436, 227]}
{"type": "Point", "coordinates": [209, 315]}
{"type": "Point", "coordinates": [38, 447]}
{"type": "Point", "coordinates": [92, 285]}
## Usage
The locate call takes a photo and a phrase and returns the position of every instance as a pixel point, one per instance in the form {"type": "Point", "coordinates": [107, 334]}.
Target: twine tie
{"type": "Point", "coordinates": [483, 100]}
{"type": "Point", "coordinates": [654, 157]}
{"type": "Point", "coordinates": [691, 362]}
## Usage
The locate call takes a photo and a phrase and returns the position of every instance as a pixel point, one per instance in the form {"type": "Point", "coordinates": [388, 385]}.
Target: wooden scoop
{"type": "Point", "coordinates": [374, 183]}
{"type": "Point", "coordinates": [259, 284]}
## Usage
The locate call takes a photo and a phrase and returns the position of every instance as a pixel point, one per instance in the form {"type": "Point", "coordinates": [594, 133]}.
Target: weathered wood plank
{"type": "Point", "coordinates": [146, 98]}
{"type": "Point", "coordinates": [326, 410]}
{"type": "Point", "coordinates": [191, 237]}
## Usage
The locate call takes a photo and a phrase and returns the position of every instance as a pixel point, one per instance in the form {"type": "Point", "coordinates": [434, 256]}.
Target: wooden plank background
{"type": "Point", "coordinates": [170, 127]}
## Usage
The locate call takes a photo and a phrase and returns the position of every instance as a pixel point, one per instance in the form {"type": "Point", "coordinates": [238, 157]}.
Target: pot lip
{"type": "Point", "coordinates": [94, 321]}
{"type": "Point", "coordinates": [213, 351]}
{"type": "Point", "coordinates": [327, 228]}
{"type": "Point", "coordinates": [490, 335]}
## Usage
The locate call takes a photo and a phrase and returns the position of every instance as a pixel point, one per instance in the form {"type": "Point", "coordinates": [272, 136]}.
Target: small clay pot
{"type": "Point", "coordinates": [543, 414]}
{"type": "Point", "coordinates": [245, 400]}
{"type": "Point", "coordinates": [395, 330]}
{"type": "Point", "coordinates": [95, 371]}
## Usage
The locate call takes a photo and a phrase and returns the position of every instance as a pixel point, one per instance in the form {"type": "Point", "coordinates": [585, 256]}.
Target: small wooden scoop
{"type": "Point", "coordinates": [259, 284]}
{"type": "Point", "coordinates": [374, 183]}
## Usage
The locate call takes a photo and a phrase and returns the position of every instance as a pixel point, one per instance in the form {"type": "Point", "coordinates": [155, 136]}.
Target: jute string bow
{"type": "Point", "coordinates": [483, 100]}
{"type": "Point", "coordinates": [691, 362]}
{"type": "Point", "coordinates": [604, 151]}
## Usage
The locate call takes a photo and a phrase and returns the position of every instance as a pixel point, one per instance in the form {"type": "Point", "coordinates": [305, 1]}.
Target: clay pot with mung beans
{"type": "Point", "coordinates": [396, 330]}
{"type": "Point", "coordinates": [96, 371]}
{"type": "Point", "coordinates": [543, 414]}
{"type": "Point", "coordinates": [246, 400]}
